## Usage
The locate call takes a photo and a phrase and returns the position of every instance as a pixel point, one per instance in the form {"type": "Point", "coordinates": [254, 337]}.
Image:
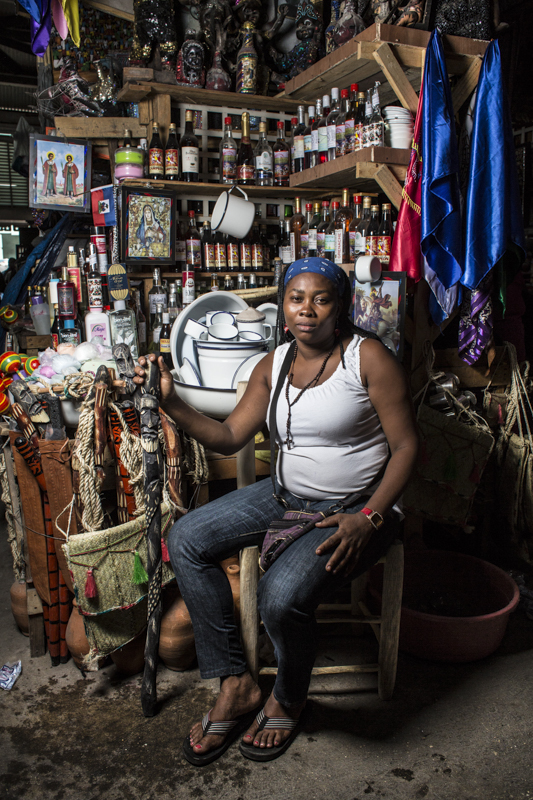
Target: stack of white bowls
{"type": "Point", "coordinates": [399, 126]}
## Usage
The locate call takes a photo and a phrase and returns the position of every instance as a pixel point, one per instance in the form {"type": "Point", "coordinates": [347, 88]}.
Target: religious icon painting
{"type": "Point", "coordinates": [60, 174]}
{"type": "Point", "coordinates": [379, 307]}
{"type": "Point", "coordinates": [148, 225]}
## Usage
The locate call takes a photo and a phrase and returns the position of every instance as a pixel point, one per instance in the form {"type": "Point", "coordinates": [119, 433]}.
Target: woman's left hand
{"type": "Point", "coordinates": [348, 541]}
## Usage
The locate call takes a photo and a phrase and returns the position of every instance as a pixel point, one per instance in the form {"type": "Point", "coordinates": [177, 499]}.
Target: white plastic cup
{"type": "Point", "coordinates": [222, 333]}
{"type": "Point", "coordinates": [233, 215]}
{"type": "Point", "coordinates": [367, 269]}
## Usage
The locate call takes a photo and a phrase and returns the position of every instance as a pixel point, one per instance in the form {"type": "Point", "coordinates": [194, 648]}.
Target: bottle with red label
{"type": "Point", "coordinates": [245, 249]}
{"type": "Point", "coordinates": [208, 248]}
{"type": "Point", "coordinates": [156, 161]}
{"type": "Point", "coordinates": [245, 155]}
{"type": "Point", "coordinates": [257, 250]}
{"type": "Point", "coordinates": [228, 155]}
{"type": "Point", "coordinates": [66, 296]}
{"type": "Point", "coordinates": [304, 235]}
{"type": "Point", "coordinates": [172, 165]}
{"type": "Point", "coordinates": [232, 253]}
{"type": "Point", "coordinates": [343, 219]}
{"type": "Point", "coordinates": [193, 245]}
{"type": "Point", "coordinates": [357, 211]}
{"type": "Point", "coordinates": [282, 164]}
{"type": "Point", "coordinates": [321, 231]}
{"type": "Point", "coordinates": [385, 235]}
{"type": "Point", "coordinates": [371, 243]}
{"type": "Point", "coordinates": [221, 263]}
{"type": "Point", "coordinates": [190, 151]}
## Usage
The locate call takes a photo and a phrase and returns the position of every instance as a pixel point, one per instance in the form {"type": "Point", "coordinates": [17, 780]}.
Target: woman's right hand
{"type": "Point", "coordinates": [166, 381]}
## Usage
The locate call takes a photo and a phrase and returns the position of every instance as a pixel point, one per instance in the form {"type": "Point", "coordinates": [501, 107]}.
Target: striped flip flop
{"type": "Point", "coordinates": [228, 728]}
{"type": "Point", "coordinates": [266, 723]}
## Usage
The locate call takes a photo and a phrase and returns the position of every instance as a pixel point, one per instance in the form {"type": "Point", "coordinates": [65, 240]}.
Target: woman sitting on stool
{"type": "Point", "coordinates": [343, 415]}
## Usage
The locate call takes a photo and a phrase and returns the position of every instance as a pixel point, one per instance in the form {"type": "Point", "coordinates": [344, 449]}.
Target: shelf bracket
{"type": "Point", "coordinates": [466, 85]}
{"type": "Point", "coordinates": [395, 75]}
{"type": "Point", "coordinates": [385, 178]}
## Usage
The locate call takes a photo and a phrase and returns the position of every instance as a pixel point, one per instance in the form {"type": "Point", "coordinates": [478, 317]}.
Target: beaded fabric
{"type": "Point", "coordinates": [289, 441]}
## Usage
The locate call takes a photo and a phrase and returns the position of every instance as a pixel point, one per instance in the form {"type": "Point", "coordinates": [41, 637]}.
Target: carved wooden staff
{"type": "Point", "coordinates": [125, 496]}
{"type": "Point", "coordinates": [173, 458]}
{"type": "Point", "coordinates": [152, 469]}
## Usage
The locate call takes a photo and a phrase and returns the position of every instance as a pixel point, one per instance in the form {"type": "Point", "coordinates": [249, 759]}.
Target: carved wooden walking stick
{"type": "Point", "coordinates": [152, 469]}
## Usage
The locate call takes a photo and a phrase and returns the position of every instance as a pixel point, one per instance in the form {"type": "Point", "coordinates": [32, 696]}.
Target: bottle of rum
{"type": "Point", "coordinates": [329, 243]}
{"type": "Point", "coordinates": [281, 158]}
{"type": "Point", "coordinates": [172, 162]}
{"type": "Point", "coordinates": [343, 219]}
{"type": "Point", "coordinates": [323, 133]}
{"type": "Point", "coordinates": [164, 340]}
{"type": "Point", "coordinates": [299, 141]}
{"type": "Point", "coordinates": [245, 155]}
{"type": "Point", "coordinates": [297, 221]}
{"type": "Point", "coordinates": [156, 160]}
{"type": "Point", "coordinates": [385, 235]}
{"type": "Point", "coordinates": [340, 135]}
{"type": "Point", "coordinates": [245, 253]}
{"type": "Point", "coordinates": [208, 248]}
{"type": "Point", "coordinates": [228, 155]}
{"type": "Point", "coordinates": [66, 296]}
{"type": "Point", "coordinates": [332, 124]}
{"type": "Point", "coordinates": [247, 61]}
{"type": "Point", "coordinates": [314, 158]}
{"type": "Point", "coordinates": [156, 327]}
{"type": "Point", "coordinates": [313, 228]}
{"type": "Point", "coordinates": [285, 244]}
{"type": "Point", "coordinates": [357, 207]}
{"type": "Point", "coordinates": [362, 229]}
{"type": "Point", "coordinates": [371, 243]}
{"type": "Point", "coordinates": [349, 121]}
{"type": "Point", "coordinates": [221, 264]}
{"type": "Point", "coordinates": [156, 295]}
{"type": "Point", "coordinates": [376, 121]}
{"type": "Point", "coordinates": [257, 250]}
{"type": "Point", "coordinates": [263, 159]}
{"type": "Point", "coordinates": [360, 122]}
{"type": "Point", "coordinates": [190, 151]}
{"type": "Point", "coordinates": [367, 127]}
{"type": "Point", "coordinates": [232, 254]}
{"type": "Point", "coordinates": [321, 231]}
{"type": "Point", "coordinates": [123, 327]}
{"type": "Point", "coordinates": [304, 234]}
{"type": "Point", "coordinates": [193, 249]}
{"type": "Point", "coordinates": [308, 147]}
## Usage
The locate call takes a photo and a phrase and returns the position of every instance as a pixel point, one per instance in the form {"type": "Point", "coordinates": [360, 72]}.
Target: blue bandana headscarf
{"type": "Point", "coordinates": [320, 266]}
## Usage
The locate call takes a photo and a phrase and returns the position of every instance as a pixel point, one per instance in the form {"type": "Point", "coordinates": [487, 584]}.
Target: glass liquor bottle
{"type": "Point", "coordinates": [308, 137]}
{"type": "Point", "coordinates": [94, 288]}
{"type": "Point", "coordinates": [173, 310]}
{"type": "Point", "coordinates": [54, 330]}
{"type": "Point", "coordinates": [321, 231]}
{"type": "Point", "coordinates": [245, 253]}
{"type": "Point", "coordinates": [232, 254]}
{"type": "Point", "coordinates": [360, 122]}
{"type": "Point", "coordinates": [340, 134]}
{"type": "Point", "coordinates": [281, 158]}
{"type": "Point", "coordinates": [329, 242]}
{"type": "Point", "coordinates": [371, 243]}
{"type": "Point", "coordinates": [263, 158]}
{"type": "Point", "coordinates": [297, 220]}
{"type": "Point", "coordinates": [257, 250]}
{"type": "Point", "coordinates": [228, 155]}
{"type": "Point", "coordinates": [123, 327]}
{"type": "Point", "coordinates": [172, 162]}
{"type": "Point", "coordinates": [181, 255]}
{"type": "Point", "coordinates": [66, 296]}
{"type": "Point", "coordinates": [362, 228]}
{"type": "Point", "coordinates": [314, 159]}
{"type": "Point", "coordinates": [332, 124]}
{"type": "Point", "coordinates": [357, 206]}
{"type": "Point", "coordinates": [156, 295]}
{"type": "Point", "coordinates": [245, 154]}
{"type": "Point", "coordinates": [247, 60]}
{"type": "Point", "coordinates": [221, 264]}
{"type": "Point", "coordinates": [156, 327]}
{"type": "Point", "coordinates": [190, 151]}
{"type": "Point", "coordinates": [208, 247]}
{"type": "Point", "coordinates": [367, 127]}
{"type": "Point", "coordinates": [294, 123]}
{"type": "Point", "coordinates": [376, 120]}
{"type": "Point", "coordinates": [156, 161]}
{"type": "Point", "coordinates": [285, 244]}
{"type": "Point", "coordinates": [323, 133]}
{"type": "Point", "coordinates": [299, 141]}
{"type": "Point", "coordinates": [313, 228]}
{"type": "Point", "coordinates": [304, 234]}
{"type": "Point", "coordinates": [349, 121]}
{"type": "Point", "coordinates": [164, 340]}
{"type": "Point", "coordinates": [193, 245]}
{"type": "Point", "coordinates": [343, 219]}
{"type": "Point", "coordinates": [385, 234]}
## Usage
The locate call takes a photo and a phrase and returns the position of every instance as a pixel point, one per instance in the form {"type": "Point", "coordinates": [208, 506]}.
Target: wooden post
{"type": "Point", "coordinates": [397, 78]}
{"type": "Point", "coordinates": [249, 578]}
{"type": "Point", "coordinates": [464, 88]}
{"type": "Point", "coordinates": [161, 114]}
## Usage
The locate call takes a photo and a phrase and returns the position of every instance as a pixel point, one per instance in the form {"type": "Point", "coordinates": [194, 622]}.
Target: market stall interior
{"type": "Point", "coordinates": [187, 154]}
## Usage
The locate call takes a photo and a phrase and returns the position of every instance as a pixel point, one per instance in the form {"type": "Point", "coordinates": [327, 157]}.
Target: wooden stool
{"type": "Point", "coordinates": [386, 626]}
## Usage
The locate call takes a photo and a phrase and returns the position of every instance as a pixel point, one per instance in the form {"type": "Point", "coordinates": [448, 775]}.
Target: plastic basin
{"type": "Point", "coordinates": [455, 607]}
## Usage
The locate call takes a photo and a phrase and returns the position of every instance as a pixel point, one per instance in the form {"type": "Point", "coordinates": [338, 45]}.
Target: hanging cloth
{"type": "Point", "coordinates": [41, 29]}
{"type": "Point", "coordinates": [72, 15]}
{"type": "Point", "coordinates": [441, 216]}
{"type": "Point", "coordinates": [60, 21]}
{"type": "Point", "coordinates": [405, 253]}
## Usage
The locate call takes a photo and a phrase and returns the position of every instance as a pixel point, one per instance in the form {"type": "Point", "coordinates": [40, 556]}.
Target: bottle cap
{"type": "Point", "coordinates": [325, 203]}
{"type": "Point", "coordinates": [361, 95]}
{"type": "Point", "coordinates": [68, 323]}
{"type": "Point", "coordinates": [354, 87]}
{"type": "Point", "coordinates": [386, 206]}
{"type": "Point", "coordinates": [345, 94]}
{"type": "Point", "coordinates": [294, 121]}
{"type": "Point", "coordinates": [357, 198]}
{"type": "Point", "coordinates": [374, 208]}
{"type": "Point", "coordinates": [335, 204]}
{"type": "Point", "coordinates": [227, 120]}
{"type": "Point", "coordinates": [191, 214]}
{"type": "Point", "coordinates": [311, 111]}
{"type": "Point", "coordinates": [325, 101]}
{"type": "Point", "coordinates": [119, 305]}
{"type": "Point", "coordinates": [188, 115]}
{"type": "Point", "coordinates": [281, 124]}
{"type": "Point", "coordinates": [308, 206]}
{"type": "Point", "coordinates": [166, 317]}
{"type": "Point", "coordinates": [159, 308]}
{"type": "Point", "coordinates": [335, 93]}
{"type": "Point", "coordinates": [37, 300]}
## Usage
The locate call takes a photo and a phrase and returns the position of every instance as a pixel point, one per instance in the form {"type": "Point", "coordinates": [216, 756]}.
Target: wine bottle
{"type": "Point", "coordinates": [172, 166]}
{"type": "Point", "coordinates": [321, 231]}
{"type": "Point", "coordinates": [285, 244]}
{"type": "Point", "coordinates": [359, 122]}
{"type": "Point", "coordinates": [350, 120]}
{"type": "Point", "coordinates": [329, 241]}
{"type": "Point", "coordinates": [294, 123]}
{"type": "Point", "coordinates": [308, 137]}
{"type": "Point", "coordinates": [245, 155]}
{"type": "Point", "coordinates": [376, 121]}
{"type": "Point", "coordinates": [304, 234]}
{"type": "Point", "coordinates": [299, 141]}
{"type": "Point", "coordinates": [314, 158]}
{"type": "Point", "coordinates": [193, 243]}
{"type": "Point", "coordinates": [332, 124]}
{"type": "Point", "coordinates": [245, 253]}
{"type": "Point", "coordinates": [228, 155]}
{"type": "Point", "coordinates": [281, 158]}
{"type": "Point", "coordinates": [247, 62]}
{"type": "Point", "coordinates": [263, 159]}
{"type": "Point", "coordinates": [221, 263]}
{"type": "Point", "coordinates": [340, 125]}
{"type": "Point", "coordinates": [297, 220]}
{"type": "Point", "coordinates": [362, 228]}
{"type": "Point", "coordinates": [367, 127]}
{"type": "Point", "coordinates": [371, 244]}
{"type": "Point", "coordinates": [343, 219]}
{"type": "Point", "coordinates": [323, 133]}
{"type": "Point", "coordinates": [313, 227]}
{"type": "Point", "coordinates": [356, 219]}
{"type": "Point", "coordinates": [208, 247]}
{"type": "Point", "coordinates": [156, 162]}
{"type": "Point", "coordinates": [385, 234]}
{"type": "Point", "coordinates": [257, 250]}
{"type": "Point", "coordinates": [232, 254]}
{"type": "Point", "coordinates": [190, 151]}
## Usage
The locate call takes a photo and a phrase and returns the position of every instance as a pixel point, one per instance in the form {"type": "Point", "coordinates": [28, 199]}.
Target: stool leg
{"type": "Point", "coordinates": [249, 578]}
{"type": "Point", "coordinates": [390, 620]}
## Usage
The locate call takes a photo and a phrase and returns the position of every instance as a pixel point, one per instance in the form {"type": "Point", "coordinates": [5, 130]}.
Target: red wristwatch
{"type": "Point", "coordinates": [374, 516]}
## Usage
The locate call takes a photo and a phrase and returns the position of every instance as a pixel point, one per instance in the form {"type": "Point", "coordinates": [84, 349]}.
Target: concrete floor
{"type": "Point", "coordinates": [451, 732]}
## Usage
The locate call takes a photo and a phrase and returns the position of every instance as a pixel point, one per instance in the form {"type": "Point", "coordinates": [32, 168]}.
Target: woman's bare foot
{"type": "Point", "coordinates": [239, 694]}
{"type": "Point", "coordinates": [273, 736]}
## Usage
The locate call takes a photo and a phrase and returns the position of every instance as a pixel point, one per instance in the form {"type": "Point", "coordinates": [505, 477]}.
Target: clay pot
{"type": "Point", "coordinates": [129, 660]}
{"type": "Point", "coordinates": [75, 637]}
{"type": "Point", "coordinates": [176, 639]}
{"type": "Point", "coordinates": [19, 607]}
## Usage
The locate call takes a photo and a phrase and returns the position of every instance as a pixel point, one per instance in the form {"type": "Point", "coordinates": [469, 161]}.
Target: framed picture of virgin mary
{"type": "Point", "coordinates": [148, 225]}
{"type": "Point", "coordinates": [60, 174]}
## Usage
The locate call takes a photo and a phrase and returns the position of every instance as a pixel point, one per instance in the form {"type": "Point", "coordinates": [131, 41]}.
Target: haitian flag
{"type": "Point", "coordinates": [441, 241]}
{"type": "Point", "coordinates": [405, 253]}
{"type": "Point", "coordinates": [103, 206]}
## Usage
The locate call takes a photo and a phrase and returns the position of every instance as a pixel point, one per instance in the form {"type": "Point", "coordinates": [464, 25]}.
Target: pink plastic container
{"type": "Point", "coordinates": [129, 171]}
{"type": "Point", "coordinates": [471, 600]}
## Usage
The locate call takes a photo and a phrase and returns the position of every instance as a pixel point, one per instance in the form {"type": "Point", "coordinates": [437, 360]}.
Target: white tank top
{"type": "Point", "coordinates": [339, 445]}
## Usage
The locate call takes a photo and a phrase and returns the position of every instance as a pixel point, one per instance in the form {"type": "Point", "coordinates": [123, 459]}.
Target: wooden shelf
{"type": "Point", "coordinates": [359, 170]}
{"type": "Point", "coordinates": [199, 274]}
{"type": "Point", "coordinates": [141, 90]}
{"type": "Point", "coordinates": [96, 128]}
{"type": "Point", "coordinates": [358, 61]}
{"type": "Point", "coordinates": [214, 189]}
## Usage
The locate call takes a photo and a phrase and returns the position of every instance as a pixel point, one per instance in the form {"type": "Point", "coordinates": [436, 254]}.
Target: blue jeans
{"type": "Point", "coordinates": [288, 593]}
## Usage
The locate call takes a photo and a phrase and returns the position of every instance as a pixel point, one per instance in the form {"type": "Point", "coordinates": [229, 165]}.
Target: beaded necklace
{"type": "Point", "coordinates": [289, 441]}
